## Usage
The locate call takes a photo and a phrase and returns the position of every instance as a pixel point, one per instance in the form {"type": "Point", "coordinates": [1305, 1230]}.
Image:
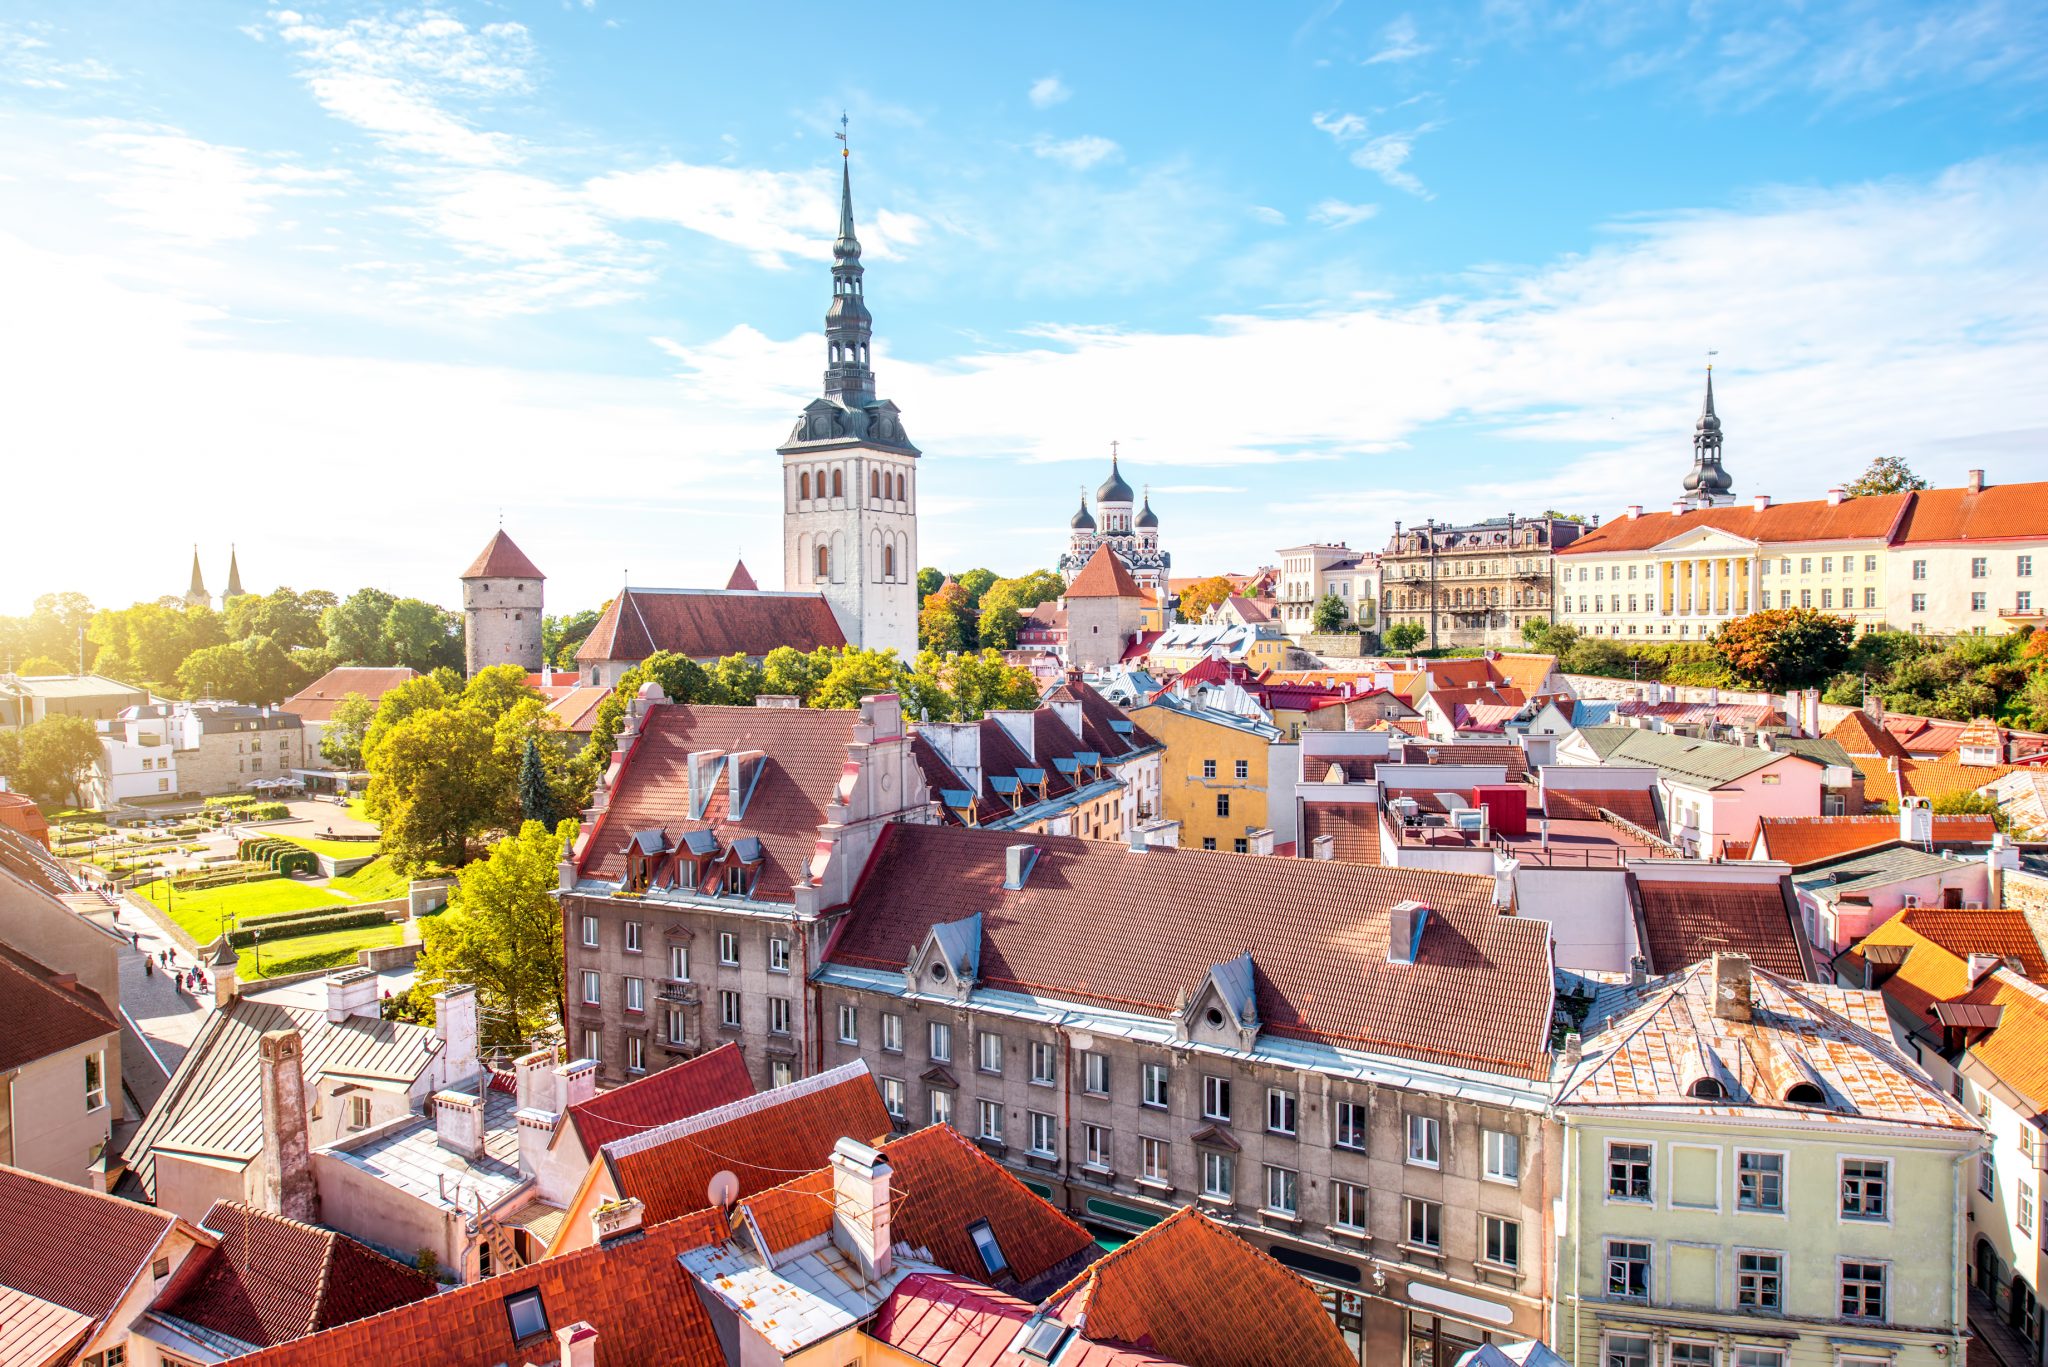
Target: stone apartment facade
{"type": "Point", "coordinates": [1090, 1016]}
{"type": "Point", "coordinates": [163, 751]}
{"type": "Point", "coordinates": [1475, 584]}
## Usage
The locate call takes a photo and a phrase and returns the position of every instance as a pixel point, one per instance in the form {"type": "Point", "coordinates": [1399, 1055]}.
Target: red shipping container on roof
{"type": "Point", "coordinates": [1507, 807]}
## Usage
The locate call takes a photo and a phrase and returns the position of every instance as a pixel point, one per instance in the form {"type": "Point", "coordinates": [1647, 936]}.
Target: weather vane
{"type": "Point", "coordinates": [845, 148]}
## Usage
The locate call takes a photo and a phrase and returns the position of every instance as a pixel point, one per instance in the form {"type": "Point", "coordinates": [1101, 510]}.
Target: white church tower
{"type": "Point", "coordinates": [849, 478]}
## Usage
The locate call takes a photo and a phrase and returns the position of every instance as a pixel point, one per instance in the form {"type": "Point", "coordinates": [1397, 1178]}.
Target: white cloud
{"type": "Point", "coordinates": [182, 187]}
{"type": "Point", "coordinates": [771, 215]}
{"type": "Point", "coordinates": [1342, 127]}
{"type": "Point", "coordinates": [1399, 43]}
{"type": "Point", "coordinates": [1266, 213]}
{"type": "Point", "coordinates": [1385, 155]}
{"type": "Point", "coordinates": [1048, 91]}
{"type": "Point", "coordinates": [28, 58]}
{"type": "Point", "coordinates": [1335, 213]}
{"type": "Point", "coordinates": [1079, 153]}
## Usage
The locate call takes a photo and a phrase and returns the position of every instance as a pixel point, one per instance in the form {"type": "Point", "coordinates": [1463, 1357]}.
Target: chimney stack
{"type": "Point", "coordinates": [1732, 987]}
{"type": "Point", "coordinates": [1404, 931]}
{"type": "Point", "coordinates": [1017, 862]}
{"type": "Point", "coordinates": [616, 1219]}
{"type": "Point", "coordinates": [351, 992]}
{"type": "Point", "coordinates": [861, 1206]}
{"type": "Point", "coordinates": [1975, 483]}
{"type": "Point", "coordinates": [221, 962]}
{"type": "Point", "coordinates": [579, 1344]}
{"type": "Point", "coordinates": [1916, 820]}
{"type": "Point", "coordinates": [1761, 502]}
{"type": "Point", "coordinates": [1260, 841]}
{"type": "Point", "coordinates": [1835, 497]}
{"type": "Point", "coordinates": [575, 1082]}
{"type": "Point", "coordinates": [287, 1175]}
{"type": "Point", "coordinates": [1323, 847]}
{"type": "Point", "coordinates": [459, 1123]}
{"type": "Point", "coordinates": [455, 1023]}
{"type": "Point", "coordinates": [1574, 1049]}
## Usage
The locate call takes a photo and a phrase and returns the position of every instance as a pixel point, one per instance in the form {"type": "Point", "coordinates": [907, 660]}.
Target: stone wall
{"type": "Point", "coordinates": [1342, 645]}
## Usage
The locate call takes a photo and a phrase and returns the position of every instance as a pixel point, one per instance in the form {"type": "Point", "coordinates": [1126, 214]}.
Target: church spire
{"type": "Point", "coordinates": [196, 595]}
{"type": "Point", "coordinates": [1707, 484]}
{"type": "Point", "coordinates": [848, 327]}
{"type": "Point", "coordinates": [234, 589]}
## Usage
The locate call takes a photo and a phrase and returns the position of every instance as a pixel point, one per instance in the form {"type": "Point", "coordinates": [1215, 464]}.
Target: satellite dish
{"type": "Point", "coordinates": [724, 1190]}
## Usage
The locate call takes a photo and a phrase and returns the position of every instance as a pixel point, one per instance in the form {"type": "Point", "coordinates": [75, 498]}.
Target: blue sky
{"type": "Point", "coordinates": [341, 284]}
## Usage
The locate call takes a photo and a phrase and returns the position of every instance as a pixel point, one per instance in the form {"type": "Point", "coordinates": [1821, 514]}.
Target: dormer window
{"type": "Point", "coordinates": [1214, 1018]}
{"type": "Point", "coordinates": [1805, 1094]}
{"type": "Point", "coordinates": [938, 974]}
{"type": "Point", "coordinates": [528, 1316]}
{"type": "Point", "coordinates": [991, 1252]}
{"type": "Point", "coordinates": [736, 879]}
{"type": "Point", "coordinates": [1708, 1089]}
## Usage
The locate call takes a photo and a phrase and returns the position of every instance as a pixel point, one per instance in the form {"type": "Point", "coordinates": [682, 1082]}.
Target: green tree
{"type": "Point", "coordinates": [1579, 518]}
{"type": "Point", "coordinates": [928, 581]}
{"type": "Point", "coordinates": [943, 624]}
{"type": "Point", "coordinates": [1550, 638]}
{"type": "Point", "coordinates": [502, 935]}
{"type": "Point", "coordinates": [1197, 598]}
{"type": "Point", "coordinates": [273, 676]}
{"type": "Point", "coordinates": [354, 628]}
{"type": "Point", "coordinates": [424, 637]}
{"type": "Point", "coordinates": [1403, 637]}
{"type": "Point", "coordinates": [1886, 475]}
{"type": "Point", "coordinates": [734, 681]}
{"type": "Point", "coordinates": [216, 672]}
{"type": "Point", "coordinates": [341, 744]}
{"type": "Point", "coordinates": [1330, 614]}
{"type": "Point", "coordinates": [41, 665]}
{"type": "Point", "coordinates": [1781, 648]}
{"type": "Point", "coordinates": [424, 694]}
{"type": "Point", "coordinates": [790, 672]}
{"type": "Point", "coordinates": [493, 692]}
{"type": "Point", "coordinates": [975, 683]}
{"type": "Point", "coordinates": [998, 617]}
{"type": "Point", "coordinates": [857, 673]}
{"type": "Point", "coordinates": [437, 781]}
{"type": "Point", "coordinates": [1591, 655]}
{"type": "Point", "coordinates": [51, 630]}
{"type": "Point", "coordinates": [286, 617]}
{"type": "Point", "coordinates": [56, 755]}
{"type": "Point", "coordinates": [146, 643]}
{"type": "Point", "coordinates": [536, 794]}
{"type": "Point", "coordinates": [10, 757]}
{"type": "Point", "coordinates": [562, 637]}
{"type": "Point", "coordinates": [974, 583]}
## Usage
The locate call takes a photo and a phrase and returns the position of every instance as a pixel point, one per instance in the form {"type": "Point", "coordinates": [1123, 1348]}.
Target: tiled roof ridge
{"type": "Point", "coordinates": [1654, 1002]}
{"type": "Point", "coordinates": [166, 1217]}
{"type": "Point", "coordinates": [760, 1101]}
{"type": "Point", "coordinates": [2020, 982]}
{"type": "Point", "coordinates": [78, 995]}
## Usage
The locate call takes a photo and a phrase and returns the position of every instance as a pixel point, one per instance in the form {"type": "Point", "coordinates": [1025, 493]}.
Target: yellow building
{"type": "Point", "coordinates": [1218, 774]}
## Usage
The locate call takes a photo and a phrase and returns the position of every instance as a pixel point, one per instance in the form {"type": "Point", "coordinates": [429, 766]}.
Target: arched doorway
{"type": "Point", "coordinates": [1987, 1268]}
{"type": "Point", "coordinates": [2022, 1309]}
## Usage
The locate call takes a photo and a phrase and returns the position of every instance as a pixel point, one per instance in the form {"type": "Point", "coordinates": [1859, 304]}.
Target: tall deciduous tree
{"type": "Point", "coordinates": [1886, 475]}
{"type": "Point", "coordinates": [56, 755]}
{"type": "Point", "coordinates": [502, 935]}
{"type": "Point", "coordinates": [1405, 636]}
{"type": "Point", "coordinates": [424, 637]}
{"type": "Point", "coordinates": [976, 683]}
{"type": "Point", "coordinates": [943, 623]}
{"type": "Point", "coordinates": [341, 743]}
{"type": "Point", "coordinates": [437, 782]}
{"type": "Point", "coordinates": [1785, 647]}
{"type": "Point", "coordinates": [561, 637]}
{"type": "Point", "coordinates": [1197, 598]}
{"type": "Point", "coordinates": [1330, 614]}
{"type": "Point", "coordinates": [857, 673]}
{"type": "Point", "coordinates": [286, 617]}
{"type": "Point", "coordinates": [998, 619]}
{"type": "Point", "coordinates": [354, 628]}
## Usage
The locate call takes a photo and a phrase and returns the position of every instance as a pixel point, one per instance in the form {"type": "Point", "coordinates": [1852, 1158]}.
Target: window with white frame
{"type": "Point", "coordinates": [729, 1009]}
{"type": "Point", "coordinates": [778, 955]}
{"type": "Point", "coordinates": [1759, 1281]}
{"type": "Point", "coordinates": [939, 1041]}
{"type": "Point", "coordinates": [1760, 1182]}
{"type": "Point", "coordinates": [1279, 1111]}
{"type": "Point", "coordinates": [1350, 1119]}
{"type": "Point", "coordinates": [95, 1080]}
{"type": "Point", "coordinates": [1044, 1063]}
{"type": "Point", "coordinates": [1044, 1134]}
{"type": "Point", "coordinates": [636, 1054]}
{"type": "Point", "coordinates": [1152, 1160]}
{"type": "Point", "coordinates": [1425, 1224]}
{"type": "Point", "coordinates": [941, 1106]}
{"type": "Point", "coordinates": [728, 949]}
{"type": "Point", "coordinates": [1628, 1172]}
{"type": "Point", "coordinates": [1775, 1357]}
{"type": "Point", "coordinates": [359, 1112]}
{"type": "Point", "coordinates": [892, 1033]}
{"type": "Point", "coordinates": [1503, 1156]}
{"type": "Point", "coordinates": [590, 987]}
{"type": "Point", "coordinates": [1095, 1145]}
{"type": "Point", "coordinates": [679, 962]}
{"type": "Point", "coordinates": [678, 1025]}
{"type": "Point", "coordinates": [593, 1043]}
{"type": "Point", "coordinates": [892, 1097]}
{"type": "Point", "coordinates": [849, 1024]}
{"type": "Point", "coordinates": [1863, 1290]}
{"type": "Point", "coordinates": [636, 994]}
{"type": "Point", "coordinates": [632, 937]}
{"type": "Point", "coordinates": [1503, 1241]}
{"type": "Point", "coordinates": [991, 1122]}
{"type": "Point", "coordinates": [2023, 1206]}
{"type": "Point", "coordinates": [1424, 1136]}
{"type": "Point", "coordinates": [778, 1015]}
{"type": "Point", "coordinates": [1095, 1073]}
{"type": "Point", "coordinates": [1628, 1270]}
{"type": "Point", "coordinates": [1691, 1353]}
{"type": "Point", "coordinates": [1627, 1350]}
{"type": "Point", "coordinates": [590, 932]}
{"type": "Point", "coordinates": [1154, 1092]}
{"type": "Point", "coordinates": [990, 1058]}
{"type": "Point", "coordinates": [1216, 1098]}
{"type": "Point", "coordinates": [1283, 1190]}
{"type": "Point", "coordinates": [1348, 1207]}
{"type": "Point", "coordinates": [1987, 1173]}
{"type": "Point", "coordinates": [1864, 1194]}
{"type": "Point", "coordinates": [781, 1072]}
{"type": "Point", "coordinates": [1219, 1174]}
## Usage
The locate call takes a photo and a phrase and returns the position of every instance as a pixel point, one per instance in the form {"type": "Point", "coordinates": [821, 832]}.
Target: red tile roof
{"type": "Point", "coordinates": [45, 1014]}
{"type": "Point", "coordinates": [739, 578]}
{"type": "Point", "coordinates": [1812, 520]}
{"type": "Point", "coordinates": [1508, 755]}
{"type": "Point", "coordinates": [1322, 970]}
{"type": "Point", "coordinates": [1099, 718]}
{"type": "Point", "coordinates": [1252, 1311]}
{"type": "Point", "coordinates": [691, 1087]}
{"type": "Point", "coordinates": [73, 1247]}
{"type": "Point", "coordinates": [760, 1140]}
{"type": "Point", "coordinates": [1995, 513]}
{"type": "Point", "coordinates": [318, 699]}
{"type": "Point", "coordinates": [632, 1291]}
{"type": "Point", "coordinates": [2017, 1051]}
{"type": "Point", "coordinates": [271, 1280]}
{"type": "Point", "coordinates": [805, 752]}
{"type": "Point", "coordinates": [22, 814]}
{"type": "Point", "coordinates": [1354, 828]}
{"type": "Point", "coordinates": [577, 708]}
{"type": "Point", "coordinates": [1858, 734]}
{"type": "Point", "coordinates": [1686, 920]}
{"type": "Point", "coordinates": [951, 1321]}
{"type": "Point", "coordinates": [709, 624]}
{"type": "Point", "coordinates": [500, 559]}
{"type": "Point", "coordinates": [1104, 576]}
{"type": "Point", "coordinates": [1803, 841]}
{"type": "Point", "coordinates": [1634, 805]}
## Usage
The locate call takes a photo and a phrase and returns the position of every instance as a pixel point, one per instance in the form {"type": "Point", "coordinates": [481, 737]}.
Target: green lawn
{"type": "Point", "coordinates": [375, 881]}
{"type": "Point", "coordinates": [304, 953]}
{"type": "Point", "coordinates": [333, 849]}
{"type": "Point", "coordinates": [200, 913]}
{"type": "Point", "coordinates": [358, 808]}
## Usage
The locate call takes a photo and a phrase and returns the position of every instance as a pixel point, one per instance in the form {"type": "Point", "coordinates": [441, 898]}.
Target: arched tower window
{"type": "Point", "coordinates": [889, 561]}
{"type": "Point", "coordinates": [838, 484]}
{"type": "Point", "coordinates": [803, 485]}
{"type": "Point", "coordinates": [874, 484]}
{"type": "Point", "coordinates": [902, 489]}
{"type": "Point", "coordinates": [824, 562]}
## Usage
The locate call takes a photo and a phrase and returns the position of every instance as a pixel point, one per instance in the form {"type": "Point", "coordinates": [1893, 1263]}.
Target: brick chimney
{"type": "Point", "coordinates": [287, 1176]}
{"type": "Point", "coordinates": [579, 1344]}
{"type": "Point", "coordinates": [1732, 987]}
{"type": "Point", "coordinates": [1975, 483]}
{"type": "Point", "coordinates": [860, 1206]}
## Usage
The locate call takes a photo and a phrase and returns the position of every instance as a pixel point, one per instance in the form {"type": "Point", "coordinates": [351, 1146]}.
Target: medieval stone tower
{"type": "Point", "coordinates": [849, 477]}
{"type": "Point", "coordinates": [501, 607]}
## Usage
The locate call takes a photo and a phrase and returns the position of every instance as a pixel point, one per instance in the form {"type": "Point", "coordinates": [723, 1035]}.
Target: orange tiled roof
{"type": "Point", "coordinates": [73, 1247]}
{"type": "Point", "coordinates": [695, 1085]}
{"type": "Point", "coordinates": [46, 1014]}
{"type": "Point", "coordinates": [1104, 576]}
{"type": "Point", "coordinates": [22, 814]}
{"type": "Point", "coordinates": [1928, 778]}
{"type": "Point", "coordinates": [641, 1302]}
{"type": "Point", "coordinates": [1873, 518]}
{"type": "Point", "coordinates": [1858, 734]}
{"type": "Point", "coordinates": [1525, 672]}
{"type": "Point", "coordinates": [1939, 944]}
{"type": "Point", "coordinates": [1802, 841]}
{"type": "Point", "coordinates": [950, 1321]}
{"type": "Point", "coordinates": [1995, 513]}
{"type": "Point", "coordinates": [2018, 1049]}
{"type": "Point", "coordinates": [1253, 1312]}
{"type": "Point", "coordinates": [1354, 828]}
{"type": "Point", "coordinates": [706, 624]}
{"type": "Point", "coordinates": [1686, 920]}
{"type": "Point", "coordinates": [318, 699]}
{"type": "Point", "coordinates": [500, 559]}
{"type": "Point", "coordinates": [1635, 805]}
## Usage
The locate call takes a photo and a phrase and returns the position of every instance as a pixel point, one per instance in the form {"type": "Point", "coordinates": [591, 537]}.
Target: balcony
{"type": "Point", "coordinates": [671, 992]}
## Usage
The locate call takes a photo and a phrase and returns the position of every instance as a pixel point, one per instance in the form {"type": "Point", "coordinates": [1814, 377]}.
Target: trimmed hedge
{"type": "Point", "coordinates": [284, 928]}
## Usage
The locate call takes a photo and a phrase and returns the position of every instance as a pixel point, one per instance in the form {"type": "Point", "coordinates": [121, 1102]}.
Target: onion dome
{"type": "Point", "coordinates": [1113, 489]}
{"type": "Point", "coordinates": [1147, 519]}
{"type": "Point", "coordinates": [1083, 521]}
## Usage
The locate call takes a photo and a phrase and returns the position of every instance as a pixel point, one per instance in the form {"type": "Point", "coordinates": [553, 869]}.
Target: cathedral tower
{"type": "Point", "coordinates": [501, 608]}
{"type": "Point", "coordinates": [1707, 485]}
{"type": "Point", "coordinates": [849, 477]}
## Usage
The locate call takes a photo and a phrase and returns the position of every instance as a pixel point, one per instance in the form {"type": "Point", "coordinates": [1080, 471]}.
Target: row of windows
{"type": "Point", "coordinates": [1980, 567]}
{"type": "Point", "coordinates": [633, 938]}
{"type": "Point", "coordinates": [1241, 769]}
{"type": "Point", "coordinates": [1862, 1285]}
{"type": "Point", "coordinates": [891, 485]}
{"type": "Point", "coordinates": [1738, 602]}
{"type": "Point", "coordinates": [1863, 1192]}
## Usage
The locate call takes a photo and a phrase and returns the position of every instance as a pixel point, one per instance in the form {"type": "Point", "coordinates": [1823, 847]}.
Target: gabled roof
{"type": "Point", "coordinates": [1859, 735]}
{"type": "Point", "coordinates": [500, 559]}
{"type": "Point", "coordinates": [1871, 518]}
{"type": "Point", "coordinates": [642, 1304]}
{"type": "Point", "coordinates": [1195, 1292]}
{"type": "Point", "coordinates": [1803, 841]}
{"type": "Point", "coordinates": [804, 752]}
{"type": "Point", "coordinates": [72, 1247]}
{"type": "Point", "coordinates": [271, 1280]}
{"type": "Point", "coordinates": [318, 699]}
{"type": "Point", "coordinates": [1937, 945]}
{"type": "Point", "coordinates": [212, 1107]}
{"type": "Point", "coordinates": [739, 578]}
{"type": "Point", "coordinates": [1866, 870]}
{"type": "Point", "coordinates": [576, 707]}
{"type": "Point", "coordinates": [29, 861]}
{"type": "Point", "coordinates": [1994, 513]}
{"type": "Point", "coordinates": [2017, 1051]}
{"type": "Point", "coordinates": [1705, 763]}
{"type": "Point", "coordinates": [47, 1012]}
{"type": "Point", "coordinates": [1686, 919]}
{"type": "Point", "coordinates": [946, 1320]}
{"type": "Point", "coordinates": [1104, 576]}
{"type": "Point", "coordinates": [1106, 729]}
{"type": "Point", "coordinates": [709, 624]}
{"type": "Point", "coordinates": [39, 1333]}
{"type": "Point", "coordinates": [21, 814]}
{"type": "Point", "coordinates": [760, 1140]}
{"type": "Point", "coordinates": [1178, 912]}
{"type": "Point", "coordinates": [695, 1085]}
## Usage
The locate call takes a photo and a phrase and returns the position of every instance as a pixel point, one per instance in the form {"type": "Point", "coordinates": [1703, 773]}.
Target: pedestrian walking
{"type": "Point", "coordinates": [149, 968]}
